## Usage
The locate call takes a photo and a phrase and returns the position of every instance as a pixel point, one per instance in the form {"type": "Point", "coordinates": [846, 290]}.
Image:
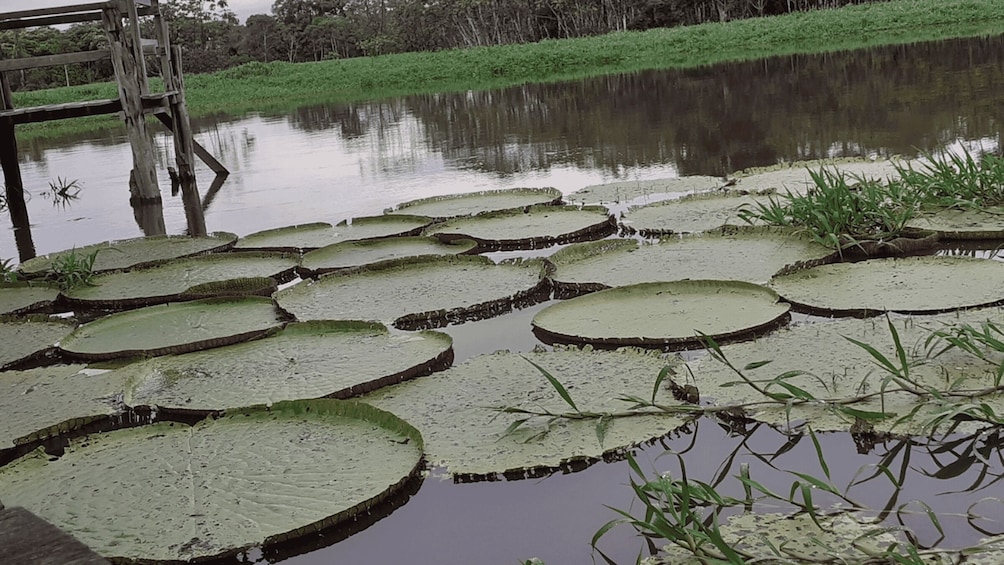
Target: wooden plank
{"type": "Point", "coordinates": [34, 114]}
{"type": "Point", "coordinates": [89, 7]}
{"type": "Point", "coordinates": [50, 20]}
{"type": "Point", "coordinates": [53, 60]}
{"type": "Point", "coordinates": [27, 539]}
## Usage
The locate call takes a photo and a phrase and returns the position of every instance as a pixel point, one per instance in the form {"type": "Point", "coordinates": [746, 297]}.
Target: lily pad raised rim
{"type": "Point", "coordinates": [318, 226]}
{"type": "Point", "coordinates": [914, 225]}
{"type": "Point", "coordinates": [31, 267]}
{"type": "Point", "coordinates": [132, 418]}
{"type": "Point", "coordinates": [552, 192]}
{"type": "Point", "coordinates": [697, 197]}
{"type": "Point", "coordinates": [468, 246]}
{"type": "Point", "coordinates": [29, 360]}
{"type": "Point", "coordinates": [37, 307]}
{"type": "Point", "coordinates": [668, 343]}
{"type": "Point", "coordinates": [595, 231]}
{"type": "Point", "coordinates": [182, 348]}
{"type": "Point", "coordinates": [440, 362]}
{"type": "Point", "coordinates": [863, 312]}
{"type": "Point", "coordinates": [433, 319]}
{"type": "Point", "coordinates": [236, 287]}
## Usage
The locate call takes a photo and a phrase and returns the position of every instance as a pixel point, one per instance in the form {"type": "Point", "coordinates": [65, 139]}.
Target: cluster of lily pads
{"type": "Point", "coordinates": [223, 365]}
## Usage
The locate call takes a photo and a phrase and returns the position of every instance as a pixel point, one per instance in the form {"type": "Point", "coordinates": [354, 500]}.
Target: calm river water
{"type": "Point", "coordinates": [329, 163]}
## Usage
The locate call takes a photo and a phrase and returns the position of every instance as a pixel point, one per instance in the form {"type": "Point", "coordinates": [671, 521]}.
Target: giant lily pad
{"type": "Point", "coordinates": [128, 253]}
{"type": "Point", "coordinates": [420, 292]}
{"type": "Point", "coordinates": [254, 476]}
{"type": "Point", "coordinates": [839, 537]}
{"type": "Point", "coordinates": [173, 280]}
{"type": "Point", "coordinates": [662, 314]}
{"type": "Point", "coordinates": [631, 190]}
{"type": "Point", "coordinates": [951, 223]}
{"type": "Point", "coordinates": [453, 205]}
{"type": "Point", "coordinates": [795, 178]}
{"type": "Point", "coordinates": [916, 285]}
{"type": "Point", "coordinates": [453, 409]}
{"type": "Point", "coordinates": [358, 253]}
{"type": "Point", "coordinates": [691, 214]}
{"type": "Point", "coordinates": [537, 226]}
{"type": "Point", "coordinates": [314, 236]}
{"type": "Point", "coordinates": [838, 369]}
{"type": "Point", "coordinates": [40, 402]}
{"type": "Point", "coordinates": [750, 255]}
{"type": "Point", "coordinates": [173, 328]}
{"type": "Point", "coordinates": [24, 339]}
{"type": "Point", "coordinates": [304, 360]}
{"type": "Point", "coordinates": [21, 298]}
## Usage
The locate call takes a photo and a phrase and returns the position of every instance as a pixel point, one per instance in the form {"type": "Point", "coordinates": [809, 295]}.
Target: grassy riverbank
{"type": "Point", "coordinates": [277, 87]}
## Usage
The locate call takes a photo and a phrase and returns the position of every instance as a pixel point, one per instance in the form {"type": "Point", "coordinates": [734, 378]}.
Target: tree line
{"type": "Point", "coordinates": [212, 38]}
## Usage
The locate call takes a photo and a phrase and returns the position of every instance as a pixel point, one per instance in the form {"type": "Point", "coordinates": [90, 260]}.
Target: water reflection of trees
{"type": "Point", "coordinates": [712, 120]}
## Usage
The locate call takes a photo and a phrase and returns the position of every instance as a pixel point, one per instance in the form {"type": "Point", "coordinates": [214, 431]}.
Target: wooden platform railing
{"type": "Point", "coordinates": [127, 51]}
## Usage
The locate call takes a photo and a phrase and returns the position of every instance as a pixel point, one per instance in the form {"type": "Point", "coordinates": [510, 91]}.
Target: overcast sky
{"type": "Point", "coordinates": [243, 8]}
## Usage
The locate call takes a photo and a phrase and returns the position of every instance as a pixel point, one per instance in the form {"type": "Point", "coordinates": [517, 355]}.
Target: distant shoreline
{"type": "Point", "coordinates": [278, 87]}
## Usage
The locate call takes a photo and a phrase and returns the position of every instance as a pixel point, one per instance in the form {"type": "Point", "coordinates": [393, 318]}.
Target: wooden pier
{"type": "Point", "coordinates": [127, 51]}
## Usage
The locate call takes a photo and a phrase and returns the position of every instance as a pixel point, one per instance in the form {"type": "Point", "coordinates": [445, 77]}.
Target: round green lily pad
{"type": "Point", "coordinates": [820, 359]}
{"type": "Point", "coordinates": [690, 214]}
{"type": "Point", "coordinates": [420, 292]}
{"type": "Point", "coordinates": [358, 253]}
{"type": "Point", "coordinates": [629, 190]}
{"type": "Point", "coordinates": [913, 285]}
{"type": "Point", "coordinates": [454, 409]}
{"type": "Point", "coordinates": [24, 297]}
{"type": "Point", "coordinates": [662, 314]}
{"type": "Point", "coordinates": [140, 251]}
{"type": "Point", "coordinates": [962, 224]}
{"type": "Point", "coordinates": [314, 236]}
{"type": "Point", "coordinates": [41, 402]}
{"type": "Point", "coordinates": [173, 492]}
{"type": "Point", "coordinates": [304, 360]}
{"type": "Point", "coordinates": [794, 177]}
{"type": "Point", "coordinates": [453, 205]}
{"type": "Point", "coordinates": [172, 280]}
{"type": "Point", "coordinates": [751, 255]}
{"type": "Point", "coordinates": [25, 339]}
{"type": "Point", "coordinates": [173, 328]}
{"type": "Point", "coordinates": [537, 226]}
{"type": "Point", "coordinates": [839, 537]}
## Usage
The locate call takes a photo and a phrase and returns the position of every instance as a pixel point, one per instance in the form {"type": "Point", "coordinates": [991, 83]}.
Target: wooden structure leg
{"type": "Point", "coordinates": [13, 185]}
{"type": "Point", "coordinates": [184, 150]}
{"type": "Point", "coordinates": [129, 81]}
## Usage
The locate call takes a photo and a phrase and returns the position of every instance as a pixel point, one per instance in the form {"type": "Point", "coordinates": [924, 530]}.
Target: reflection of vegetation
{"type": "Point", "coordinates": [271, 86]}
{"type": "Point", "coordinates": [62, 191]}
{"type": "Point", "coordinates": [70, 270]}
{"type": "Point", "coordinates": [689, 513]}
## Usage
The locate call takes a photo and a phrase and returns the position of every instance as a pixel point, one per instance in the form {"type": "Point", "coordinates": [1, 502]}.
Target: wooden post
{"type": "Point", "coordinates": [136, 43]}
{"type": "Point", "coordinates": [13, 185]}
{"type": "Point", "coordinates": [145, 189]}
{"type": "Point", "coordinates": [184, 150]}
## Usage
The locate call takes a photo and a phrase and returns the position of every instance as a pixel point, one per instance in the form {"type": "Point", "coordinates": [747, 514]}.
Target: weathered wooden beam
{"type": "Point", "coordinates": [184, 150]}
{"type": "Point", "coordinates": [50, 20]}
{"type": "Point", "coordinates": [13, 185]}
{"type": "Point", "coordinates": [28, 539]}
{"type": "Point", "coordinates": [144, 163]}
{"type": "Point", "coordinates": [201, 152]}
{"type": "Point", "coordinates": [53, 60]}
{"type": "Point", "coordinates": [88, 7]}
{"type": "Point", "coordinates": [35, 114]}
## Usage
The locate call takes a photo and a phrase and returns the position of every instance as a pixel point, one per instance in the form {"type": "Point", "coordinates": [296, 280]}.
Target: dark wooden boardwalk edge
{"type": "Point", "coordinates": [27, 539]}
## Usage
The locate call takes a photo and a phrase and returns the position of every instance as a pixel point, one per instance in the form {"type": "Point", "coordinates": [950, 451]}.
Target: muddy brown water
{"type": "Point", "coordinates": [328, 163]}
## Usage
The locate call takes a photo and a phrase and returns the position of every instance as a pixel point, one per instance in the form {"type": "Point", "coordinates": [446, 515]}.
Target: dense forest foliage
{"type": "Point", "coordinates": [310, 30]}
